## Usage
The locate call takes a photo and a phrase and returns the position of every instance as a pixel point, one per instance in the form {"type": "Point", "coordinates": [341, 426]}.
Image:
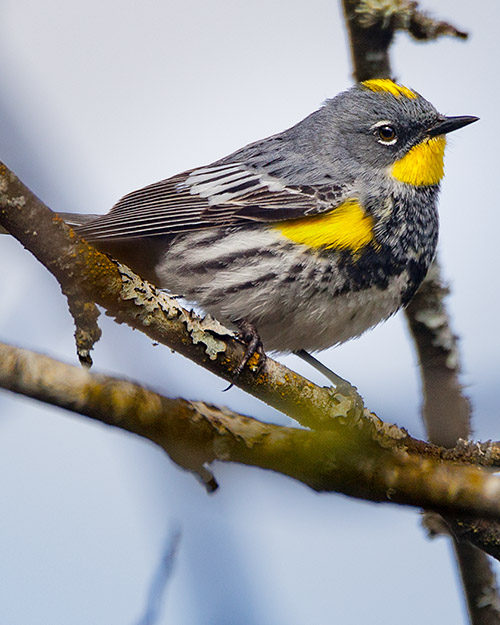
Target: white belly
{"type": "Point", "coordinates": [293, 298]}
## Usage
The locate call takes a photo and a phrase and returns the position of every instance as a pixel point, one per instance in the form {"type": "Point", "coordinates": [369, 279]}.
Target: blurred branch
{"type": "Point", "coordinates": [356, 454]}
{"type": "Point", "coordinates": [366, 459]}
{"type": "Point", "coordinates": [371, 25]}
{"type": "Point", "coordinates": [446, 412]}
{"type": "Point", "coordinates": [161, 578]}
{"type": "Point", "coordinates": [480, 585]}
{"type": "Point", "coordinates": [350, 434]}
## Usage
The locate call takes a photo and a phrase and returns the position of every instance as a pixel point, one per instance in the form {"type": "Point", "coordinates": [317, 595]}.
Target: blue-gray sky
{"type": "Point", "coordinates": [100, 98]}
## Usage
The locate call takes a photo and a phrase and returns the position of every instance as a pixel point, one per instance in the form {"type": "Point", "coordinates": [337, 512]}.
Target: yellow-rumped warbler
{"type": "Point", "coordinates": [312, 235]}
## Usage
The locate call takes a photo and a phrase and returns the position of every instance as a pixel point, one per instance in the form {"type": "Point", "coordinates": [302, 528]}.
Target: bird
{"type": "Point", "coordinates": [306, 238]}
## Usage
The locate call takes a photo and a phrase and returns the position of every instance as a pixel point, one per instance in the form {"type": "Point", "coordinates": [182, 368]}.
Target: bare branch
{"type": "Point", "coordinates": [479, 583]}
{"type": "Point", "coordinates": [371, 25]}
{"type": "Point", "coordinates": [348, 458]}
{"type": "Point", "coordinates": [446, 411]}
{"type": "Point", "coordinates": [87, 331]}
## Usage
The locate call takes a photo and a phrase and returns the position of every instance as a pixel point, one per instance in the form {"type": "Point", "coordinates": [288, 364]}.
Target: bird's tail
{"type": "Point", "coordinates": [72, 219]}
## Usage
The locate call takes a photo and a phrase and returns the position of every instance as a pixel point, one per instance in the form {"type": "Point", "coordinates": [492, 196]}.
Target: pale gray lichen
{"type": "Point", "coordinates": [438, 323]}
{"type": "Point", "coordinates": [151, 300]}
{"type": "Point", "coordinates": [4, 186]}
{"type": "Point", "coordinates": [489, 598]}
{"type": "Point", "coordinates": [201, 331]}
{"type": "Point", "coordinates": [346, 404]}
{"type": "Point", "coordinates": [18, 201]}
{"type": "Point", "coordinates": [385, 13]}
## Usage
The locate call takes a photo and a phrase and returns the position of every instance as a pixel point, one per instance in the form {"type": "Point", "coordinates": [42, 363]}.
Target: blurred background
{"type": "Point", "coordinates": [103, 97]}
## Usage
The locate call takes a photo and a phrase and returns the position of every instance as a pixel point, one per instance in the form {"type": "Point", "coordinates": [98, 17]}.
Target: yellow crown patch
{"type": "Point", "coordinates": [379, 85]}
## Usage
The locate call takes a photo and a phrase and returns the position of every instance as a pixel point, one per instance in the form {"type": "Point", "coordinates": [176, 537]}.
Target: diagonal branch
{"type": "Point", "coordinates": [346, 458]}
{"type": "Point", "coordinates": [96, 278]}
{"type": "Point", "coordinates": [362, 437]}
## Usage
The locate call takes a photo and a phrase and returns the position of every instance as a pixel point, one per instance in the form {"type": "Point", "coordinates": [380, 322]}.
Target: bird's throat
{"type": "Point", "coordinates": [423, 165]}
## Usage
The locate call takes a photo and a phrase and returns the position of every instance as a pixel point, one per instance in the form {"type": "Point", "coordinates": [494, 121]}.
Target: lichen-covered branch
{"type": "Point", "coordinates": [83, 311]}
{"type": "Point", "coordinates": [347, 458]}
{"type": "Point", "coordinates": [479, 584]}
{"type": "Point", "coordinates": [371, 25]}
{"type": "Point", "coordinates": [94, 277]}
{"type": "Point", "coordinates": [369, 44]}
{"type": "Point", "coordinates": [446, 411]}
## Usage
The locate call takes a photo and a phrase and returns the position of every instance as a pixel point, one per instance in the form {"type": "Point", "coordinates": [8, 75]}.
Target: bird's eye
{"type": "Point", "coordinates": [386, 134]}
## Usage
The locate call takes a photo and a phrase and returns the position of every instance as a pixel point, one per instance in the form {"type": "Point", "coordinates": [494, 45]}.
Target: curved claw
{"type": "Point", "coordinates": [249, 335]}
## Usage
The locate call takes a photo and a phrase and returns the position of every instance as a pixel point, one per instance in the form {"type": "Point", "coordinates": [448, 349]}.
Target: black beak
{"type": "Point", "coordinates": [448, 124]}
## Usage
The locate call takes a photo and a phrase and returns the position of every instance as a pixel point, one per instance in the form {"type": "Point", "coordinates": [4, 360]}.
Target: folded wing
{"type": "Point", "coordinates": [209, 197]}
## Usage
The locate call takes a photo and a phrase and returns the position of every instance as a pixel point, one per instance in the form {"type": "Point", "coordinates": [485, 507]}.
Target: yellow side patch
{"type": "Point", "coordinates": [424, 163]}
{"type": "Point", "coordinates": [346, 227]}
{"type": "Point", "coordinates": [384, 84]}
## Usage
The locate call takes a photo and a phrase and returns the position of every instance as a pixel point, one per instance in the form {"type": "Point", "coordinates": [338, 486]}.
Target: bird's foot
{"type": "Point", "coordinates": [254, 349]}
{"type": "Point", "coordinates": [342, 387]}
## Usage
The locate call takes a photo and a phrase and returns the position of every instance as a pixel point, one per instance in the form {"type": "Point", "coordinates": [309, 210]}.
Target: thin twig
{"type": "Point", "coordinates": [161, 578]}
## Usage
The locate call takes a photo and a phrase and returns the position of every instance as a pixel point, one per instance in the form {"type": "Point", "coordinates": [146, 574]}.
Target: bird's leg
{"type": "Point", "coordinates": [319, 366]}
{"type": "Point", "coordinates": [249, 335]}
{"type": "Point", "coordinates": [341, 386]}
